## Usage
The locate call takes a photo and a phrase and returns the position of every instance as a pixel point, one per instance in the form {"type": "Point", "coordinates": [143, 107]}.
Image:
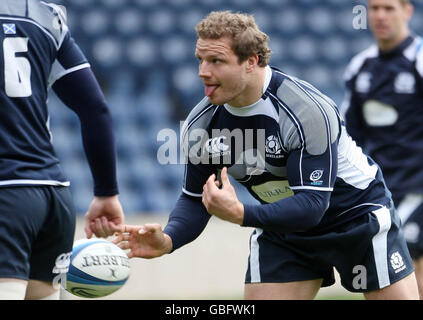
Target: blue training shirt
{"type": "Point", "coordinates": [38, 52]}
{"type": "Point", "coordinates": [383, 111]}
{"type": "Point", "coordinates": [290, 150]}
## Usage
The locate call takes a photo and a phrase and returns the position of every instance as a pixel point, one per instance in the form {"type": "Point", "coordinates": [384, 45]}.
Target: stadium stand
{"type": "Point", "coordinates": [143, 54]}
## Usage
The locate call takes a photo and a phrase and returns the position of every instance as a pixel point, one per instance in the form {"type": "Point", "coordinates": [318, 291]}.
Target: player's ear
{"type": "Point", "coordinates": [409, 10]}
{"type": "Point", "coordinates": [252, 62]}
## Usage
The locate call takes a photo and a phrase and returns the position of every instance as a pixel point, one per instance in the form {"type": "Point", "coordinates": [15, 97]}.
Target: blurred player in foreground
{"type": "Point", "coordinates": [384, 113]}
{"type": "Point", "coordinates": [37, 216]}
{"type": "Point", "coordinates": [323, 202]}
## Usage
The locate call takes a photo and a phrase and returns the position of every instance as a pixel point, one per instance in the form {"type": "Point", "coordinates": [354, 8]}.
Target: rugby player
{"type": "Point", "coordinates": [323, 203]}
{"type": "Point", "coordinates": [383, 112]}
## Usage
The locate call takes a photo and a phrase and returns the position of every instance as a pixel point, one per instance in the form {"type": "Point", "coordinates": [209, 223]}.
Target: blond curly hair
{"type": "Point", "coordinates": [247, 38]}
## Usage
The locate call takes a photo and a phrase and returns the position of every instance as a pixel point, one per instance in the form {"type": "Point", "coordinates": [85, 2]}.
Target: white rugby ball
{"type": "Point", "coordinates": [97, 268]}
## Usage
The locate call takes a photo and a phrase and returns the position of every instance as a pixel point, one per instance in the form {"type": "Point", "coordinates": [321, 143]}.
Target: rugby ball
{"type": "Point", "coordinates": [97, 268]}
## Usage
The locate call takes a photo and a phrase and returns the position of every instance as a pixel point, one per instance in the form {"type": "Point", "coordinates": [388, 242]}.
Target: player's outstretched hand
{"type": "Point", "coordinates": [104, 217]}
{"type": "Point", "coordinates": [223, 202]}
{"type": "Point", "coordinates": [147, 241]}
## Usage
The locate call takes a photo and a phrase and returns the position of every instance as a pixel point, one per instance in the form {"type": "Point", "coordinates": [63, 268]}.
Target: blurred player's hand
{"type": "Point", "coordinates": [223, 202]}
{"type": "Point", "coordinates": [104, 217]}
{"type": "Point", "coordinates": [147, 241]}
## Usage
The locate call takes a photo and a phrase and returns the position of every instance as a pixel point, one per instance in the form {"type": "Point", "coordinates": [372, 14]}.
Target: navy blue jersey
{"type": "Point", "coordinates": [36, 50]}
{"type": "Point", "coordinates": [291, 142]}
{"type": "Point", "coordinates": [384, 111]}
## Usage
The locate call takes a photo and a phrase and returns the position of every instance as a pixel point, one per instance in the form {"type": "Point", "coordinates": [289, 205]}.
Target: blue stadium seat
{"type": "Point", "coordinates": [180, 4]}
{"type": "Point", "coordinates": [319, 76]}
{"type": "Point", "coordinates": [274, 4]}
{"type": "Point", "coordinates": [320, 21]}
{"type": "Point", "coordinates": [160, 198]}
{"type": "Point", "coordinates": [334, 51]}
{"type": "Point", "coordinates": [187, 20]}
{"type": "Point", "coordinates": [278, 45]}
{"type": "Point", "coordinates": [177, 49]}
{"type": "Point", "coordinates": [113, 4]}
{"type": "Point", "coordinates": [303, 49]}
{"type": "Point", "coordinates": [263, 19]}
{"type": "Point", "coordinates": [108, 53]}
{"type": "Point", "coordinates": [95, 22]}
{"type": "Point", "coordinates": [288, 21]}
{"type": "Point", "coordinates": [77, 4]}
{"type": "Point", "coordinates": [147, 4]}
{"type": "Point", "coordinates": [188, 85]}
{"type": "Point", "coordinates": [206, 4]}
{"type": "Point", "coordinates": [243, 4]}
{"type": "Point", "coordinates": [129, 22]}
{"type": "Point", "coordinates": [142, 53]}
{"type": "Point", "coordinates": [416, 23]}
{"type": "Point", "coordinates": [161, 22]}
{"type": "Point", "coordinates": [308, 4]}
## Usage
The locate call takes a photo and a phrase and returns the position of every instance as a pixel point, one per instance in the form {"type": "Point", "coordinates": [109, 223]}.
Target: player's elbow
{"type": "Point", "coordinates": [318, 203]}
{"type": "Point", "coordinates": [312, 220]}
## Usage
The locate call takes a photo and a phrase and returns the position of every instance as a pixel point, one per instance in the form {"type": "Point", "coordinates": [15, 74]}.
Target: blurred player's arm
{"type": "Point", "coordinates": [354, 120]}
{"type": "Point", "coordinates": [351, 107]}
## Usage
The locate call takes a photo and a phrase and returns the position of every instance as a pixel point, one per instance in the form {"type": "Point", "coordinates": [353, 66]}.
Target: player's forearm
{"type": "Point", "coordinates": [80, 91]}
{"type": "Point", "coordinates": [100, 151]}
{"type": "Point", "coordinates": [186, 221]}
{"type": "Point", "coordinates": [298, 213]}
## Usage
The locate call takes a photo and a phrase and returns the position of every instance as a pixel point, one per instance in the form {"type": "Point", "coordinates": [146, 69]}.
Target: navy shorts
{"type": "Point", "coordinates": [37, 227]}
{"type": "Point", "coordinates": [368, 252]}
{"type": "Point", "coordinates": [410, 210]}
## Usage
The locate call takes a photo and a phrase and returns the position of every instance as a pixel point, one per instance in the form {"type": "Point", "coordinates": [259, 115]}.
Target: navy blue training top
{"type": "Point", "coordinates": [38, 53]}
{"type": "Point", "coordinates": [290, 150]}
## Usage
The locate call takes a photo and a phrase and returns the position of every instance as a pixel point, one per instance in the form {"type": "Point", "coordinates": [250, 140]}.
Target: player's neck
{"type": "Point", "coordinates": [391, 44]}
{"type": "Point", "coordinates": [253, 91]}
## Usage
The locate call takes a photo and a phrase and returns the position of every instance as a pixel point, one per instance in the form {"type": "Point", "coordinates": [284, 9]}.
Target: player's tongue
{"type": "Point", "coordinates": [208, 90]}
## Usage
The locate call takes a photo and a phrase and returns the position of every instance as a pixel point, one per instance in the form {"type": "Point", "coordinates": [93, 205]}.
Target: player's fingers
{"type": "Point", "coordinates": [124, 245]}
{"type": "Point", "coordinates": [150, 227]}
{"type": "Point", "coordinates": [88, 231]}
{"type": "Point", "coordinates": [121, 237]}
{"type": "Point", "coordinates": [99, 229]}
{"type": "Point", "coordinates": [125, 228]}
{"type": "Point", "coordinates": [204, 199]}
{"type": "Point", "coordinates": [224, 177]}
{"type": "Point", "coordinates": [210, 180]}
{"type": "Point", "coordinates": [118, 237]}
{"type": "Point", "coordinates": [106, 226]}
{"type": "Point", "coordinates": [87, 228]}
{"type": "Point", "coordinates": [114, 227]}
{"type": "Point", "coordinates": [212, 184]}
{"type": "Point", "coordinates": [93, 227]}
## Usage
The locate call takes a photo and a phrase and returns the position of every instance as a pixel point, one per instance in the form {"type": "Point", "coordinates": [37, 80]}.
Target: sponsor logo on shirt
{"type": "Point", "coordinates": [363, 83]}
{"type": "Point", "coordinates": [315, 177]}
{"type": "Point", "coordinates": [216, 147]}
{"type": "Point", "coordinates": [405, 83]}
{"type": "Point", "coordinates": [273, 147]}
